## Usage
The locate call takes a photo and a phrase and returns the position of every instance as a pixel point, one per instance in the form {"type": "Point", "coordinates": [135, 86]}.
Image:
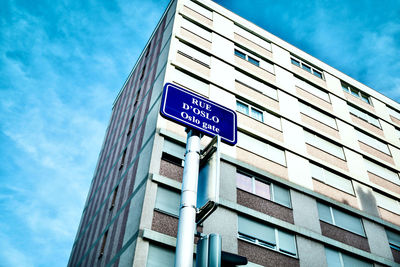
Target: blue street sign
{"type": "Point", "coordinates": [192, 110]}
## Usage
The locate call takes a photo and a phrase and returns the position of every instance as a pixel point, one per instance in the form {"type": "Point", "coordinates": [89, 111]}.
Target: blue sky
{"type": "Point", "coordinates": [63, 62]}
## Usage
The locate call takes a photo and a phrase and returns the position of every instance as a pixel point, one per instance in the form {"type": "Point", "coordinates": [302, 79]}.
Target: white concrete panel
{"type": "Point", "coordinates": [377, 239]}
{"type": "Point", "coordinates": [281, 55]}
{"type": "Point", "coordinates": [289, 106]}
{"type": "Point", "coordinates": [340, 108]}
{"type": "Point", "coordinates": [223, 26]}
{"type": "Point", "coordinates": [222, 74]}
{"type": "Point", "coordinates": [311, 254]}
{"type": "Point", "coordinates": [285, 80]}
{"type": "Point", "coordinates": [225, 223]}
{"type": "Point", "coordinates": [356, 165]}
{"type": "Point", "coordinates": [381, 109]}
{"type": "Point", "coordinates": [228, 100]}
{"type": "Point", "coordinates": [333, 84]}
{"type": "Point", "coordinates": [348, 135]}
{"type": "Point", "coordinates": [223, 48]}
{"type": "Point", "coordinates": [293, 136]}
{"type": "Point", "coordinates": [390, 132]}
{"type": "Point", "coordinates": [299, 170]}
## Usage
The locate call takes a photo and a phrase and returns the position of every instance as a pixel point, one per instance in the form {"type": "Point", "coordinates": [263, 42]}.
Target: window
{"type": "Point", "coordinates": [194, 28]}
{"type": "Point", "coordinates": [199, 9]}
{"type": "Point", "coordinates": [249, 110]}
{"type": "Point", "coordinates": [252, 37]}
{"type": "Point", "coordinates": [123, 159]}
{"type": "Point", "coordinates": [191, 82]}
{"type": "Point", "coordinates": [130, 125]}
{"type": "Point", "coordinates": [172, 159]}
{"type": "Point", "coordinates": [341, 219]}
{"type": "Point", "coordinates": [167, 201]}
{"type": "Point", "coordinates": [103, 244]}
{"type": "Point", "coordinates": [372, 142]}
{"type": "Point", "coordinates": [394, 239]}
{"type": "Point", "coordinates": [266, 236]}
{"type": "Point", "coordinates": [318, 115]}
{"type": "Point", "coordinates": [364, 116]}
{"type": "Point", "coordinates": [246, 57]}
{"type": "Point", "coordinates": [193, 54]}
{"type": "Point", "coordinates": [324, 145]}
{"type": "Point", "coordinates": [147, 50]}
{"type": "Point", "coordinates": [266, 117]}
{"type": "Point", "coordinates": [331, 179]}
{"type": "Point", "coordinates": [137, 98]}
{"type": "Point", "coordinates": [312, 89]}
{"type": "Point", "coordinates": [306, 67]}
{"type": "Point", "coordinates": [114, 197]}
{"type": "Point", "coordinates": [143, 71]}
{"type": "Point", "coordinates": [336, 258]}
{"type": "Point", "coordinates": [240, 54]}
{"type": "Point", "coordinates": [263, 149]}
{"type": "Point", "coordinates": [355, 92]}
{"type": "Point", "coordinates": [173, 152]}
{"type": "Point", "coordinates": [263, 189]}
{"type": "Point", "coordinates": [387, 203]}
{"type": "Point", "coordinates": [160, 256]}
{"type": "Point", "coordinates": [382, 172]}
{"type": "Point", "coordinates": [256, 85]}
{"type": "Point", "coordinates": [253, 61]}
{"type": "Point", "coordinates": [295, 62]}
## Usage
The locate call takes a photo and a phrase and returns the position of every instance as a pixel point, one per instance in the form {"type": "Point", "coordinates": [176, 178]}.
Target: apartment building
{"type": "Point", "coordinates": [312, 181]}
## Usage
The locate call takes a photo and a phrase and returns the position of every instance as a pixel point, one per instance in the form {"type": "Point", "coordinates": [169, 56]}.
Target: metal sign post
{"type": "Point", "coordinates": [187, 209]}
{"type": "Point", "coordinates": [199, 115]}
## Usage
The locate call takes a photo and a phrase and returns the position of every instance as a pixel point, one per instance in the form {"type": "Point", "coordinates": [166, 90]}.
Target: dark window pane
{"type": "Point", "coordinates": [365, 98]}
{"type": "Point", "coordinates": [244, 182]}
{"type": "Point", "coordinates": [354, 92]}
{"type": "Point", "coordinates": [345, 88]}
{"type": "Point", "coordinates": [256, 114]}
{"type": "Point", "coordinates": [254, 61]}
{"type": "Point", "coordinates": [307, 68]}
{"type": "Point", "coordinates": [171, 159]}
{"type": "Point", "coordinates": [295, 62]}
{"type": "Point", "coordinates": [317, 73]}
{"type": "Point", "coordinates": [240, 54]}
{"type": "Point", "coordinates": [242, 107]}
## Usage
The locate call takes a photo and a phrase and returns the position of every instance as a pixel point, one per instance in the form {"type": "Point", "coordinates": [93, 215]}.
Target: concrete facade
{"type": "Point", "coordinates": [300, 188]}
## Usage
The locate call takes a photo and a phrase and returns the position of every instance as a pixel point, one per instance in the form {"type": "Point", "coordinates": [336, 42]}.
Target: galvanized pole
{"type": "Point", "coordinates": [187, 210]}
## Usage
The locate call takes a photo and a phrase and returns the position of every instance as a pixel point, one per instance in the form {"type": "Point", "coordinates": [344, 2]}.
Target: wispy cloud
{"type": "Point", "coordinates": [63, 63]}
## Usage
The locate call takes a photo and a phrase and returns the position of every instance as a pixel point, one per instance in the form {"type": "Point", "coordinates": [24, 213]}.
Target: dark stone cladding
{"type": "Point", "coordinates": [396, 255]}
{"type": "Point", "coordinates": [171, 170]}
{"type": "Point", "coordinates": [344, 236]}
{"type": "Point", "coordinates": [85, 251]}
{"type": "Point", "coordinates": [264, 205]}
{"type": "Point", "coordinates": [167, 224]}
{"type": "Point", "coordinates": [264, 256]}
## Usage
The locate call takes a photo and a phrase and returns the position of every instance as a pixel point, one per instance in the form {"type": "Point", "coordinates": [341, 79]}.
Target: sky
{"type": "Point", "coordinates": [62, 63]}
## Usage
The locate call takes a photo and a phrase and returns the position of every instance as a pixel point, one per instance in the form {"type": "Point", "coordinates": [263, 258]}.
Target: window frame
{"type": "Point", "coordinates": [352, 107]}
{"type": "Point", "coordinates": [356, 92]}
{"type": "Point", "coordinates": [265, 244]}
{"type": "Point", "coordinates": [270, 185]}
{"type": "Point", "coordinates": [250, 108]}
{"type": "Point", "coordinates": [250, 59]}
{"type": "Point", "coordinates": [307, 67]}
{"type": "Point", "coordinates": [331, 211]}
